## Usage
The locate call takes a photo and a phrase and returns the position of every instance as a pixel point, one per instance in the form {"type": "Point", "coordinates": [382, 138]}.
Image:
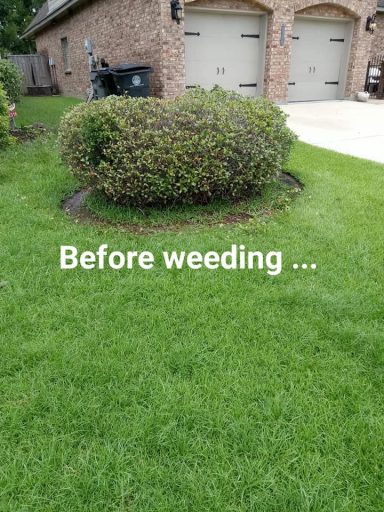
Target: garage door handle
{"type": "Point", "coordinates": [310, 69]}
{"type": "Point", "coordinates": [223, 71]}
{"type": "Point", "coordinates": [247, 85]}
{"type": "Point", "coordinates": [218, 71]}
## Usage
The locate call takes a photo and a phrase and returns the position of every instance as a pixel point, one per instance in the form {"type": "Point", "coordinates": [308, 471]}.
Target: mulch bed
{"type": "Point", "coordinates": [29, 133]}
{"type": "Point", "coordinates": [75, 208]}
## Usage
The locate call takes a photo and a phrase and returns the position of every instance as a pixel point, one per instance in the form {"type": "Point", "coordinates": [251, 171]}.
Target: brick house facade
{"type": "Point", "coordinates": [378, 36]}
{"type": "Point", "coordinates": [144, 32]}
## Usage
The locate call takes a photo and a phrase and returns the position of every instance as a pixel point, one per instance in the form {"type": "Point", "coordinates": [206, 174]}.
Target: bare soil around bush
{"type": "Point", "coordinates": [75, 206]}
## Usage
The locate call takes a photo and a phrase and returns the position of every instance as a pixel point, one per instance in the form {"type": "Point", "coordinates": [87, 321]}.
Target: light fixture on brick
{"type": "Point", "coordinates": [371, 24]}
{"type": "Point", "coordinates": [176, 11]}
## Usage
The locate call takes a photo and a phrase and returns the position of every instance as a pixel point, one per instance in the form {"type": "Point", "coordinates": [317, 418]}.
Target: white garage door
{"type": "Point", "coordinates": [224, 49]}
{"type": "Point", "coordinates": [320, 50]}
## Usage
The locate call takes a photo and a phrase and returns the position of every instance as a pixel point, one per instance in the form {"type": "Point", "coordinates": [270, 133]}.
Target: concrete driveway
{"type": "Point", "coordinates": [345, 126]}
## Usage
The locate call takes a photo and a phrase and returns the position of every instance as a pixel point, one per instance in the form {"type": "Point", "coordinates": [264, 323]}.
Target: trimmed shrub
{"type": "Point", "coordinates": [201, 146]}
{"type": "Point", "coordinates": [12, 79]}
{"type": "Point", "coordinates": [5, 138]}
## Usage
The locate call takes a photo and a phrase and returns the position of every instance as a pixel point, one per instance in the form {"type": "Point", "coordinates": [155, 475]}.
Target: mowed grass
{"type": "Point", "coordinates": [192, 391]}
{"type": "Point", "coordinates": [46, 110]}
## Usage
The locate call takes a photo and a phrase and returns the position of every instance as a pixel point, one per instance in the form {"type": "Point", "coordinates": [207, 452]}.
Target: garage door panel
{"type": "Point", "coordinates": [211, 24]}
{"type": "Point", "coordinates": [246, 90]}
{"type": "Point", "coordinates": [202, 73]}
{"type": "Point", "coordinates": [241, 81]}
{"type": "Point", "coordinates": [220, 55]}
{"type": "Point", "coordinates": [304, 91]}
{"type": "Point", "coordinates": [219, 50]}
{"type": "Point", "coordinates": [319, 53]}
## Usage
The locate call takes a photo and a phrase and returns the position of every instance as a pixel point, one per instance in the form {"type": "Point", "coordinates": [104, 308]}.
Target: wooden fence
{"type": "Point", "coordinates": [36, 73]}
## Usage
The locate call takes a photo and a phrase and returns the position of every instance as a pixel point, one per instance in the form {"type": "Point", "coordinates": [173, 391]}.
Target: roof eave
{"type": "Point", "coordinates": [51, 17]}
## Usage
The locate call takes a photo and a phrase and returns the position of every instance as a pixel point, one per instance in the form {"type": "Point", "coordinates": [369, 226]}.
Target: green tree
{"type": "Point", "coordinates": [15, 15]}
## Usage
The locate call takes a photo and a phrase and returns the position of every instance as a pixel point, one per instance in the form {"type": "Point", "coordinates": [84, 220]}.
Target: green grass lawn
{"type": "Point", "coordinates": [192, 391]}
{"type": "Point", "coordinates": [46, 110]}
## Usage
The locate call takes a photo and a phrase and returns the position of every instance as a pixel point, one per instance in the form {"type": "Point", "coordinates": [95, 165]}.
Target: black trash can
{"type": "Point", "coordinates": [131, 79]}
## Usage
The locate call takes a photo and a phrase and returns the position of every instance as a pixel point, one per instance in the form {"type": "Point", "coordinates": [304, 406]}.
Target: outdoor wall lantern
{"type": "Point", "coordinates": [371, 24]}
{"type": "Point", "coordinates": [176, 11]}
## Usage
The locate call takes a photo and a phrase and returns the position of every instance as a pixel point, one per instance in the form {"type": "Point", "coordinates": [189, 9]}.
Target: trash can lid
{"type": "Point", "coordinates": [103, 71]}
{"type": "Point", "coordinates": [126, 68]}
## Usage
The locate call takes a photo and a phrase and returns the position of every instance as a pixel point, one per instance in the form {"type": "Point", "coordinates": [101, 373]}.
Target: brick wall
{"type": "Point", "coordinates": [172, 54]}
{"type": "Point", "coordinates": [378, 36]}
{"type": "Point", "coordinates": [143, 32]}
{"type": "Point", "coordinates": [121, 31]}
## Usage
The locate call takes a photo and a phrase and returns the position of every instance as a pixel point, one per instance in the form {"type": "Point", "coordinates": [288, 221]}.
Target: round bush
{"type": "Point", "coordinates": [201, 146]}
{"type": "Point", "coordinates": [5, 138]}
{"type": "Point", "coordinates": [11, 79]}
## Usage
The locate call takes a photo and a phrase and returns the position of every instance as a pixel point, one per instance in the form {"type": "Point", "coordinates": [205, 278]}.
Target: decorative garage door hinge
{"type": "Point", "coordinates": [331, 83]}
{"type": "Point", "coordinates": [291, 83]}
{"type": "Point", "coordinates": [337, 40]}
{"type": "Point", "coordinates": [247, 85]}
{"type": "Point", "coordinates": [296, 38]}
{"type": "Point", "coordinates": [255, 36]}
{"type": "Point", "coordinates": [192, 34]}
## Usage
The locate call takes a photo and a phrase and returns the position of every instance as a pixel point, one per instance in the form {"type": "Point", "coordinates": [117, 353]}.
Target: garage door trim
{"type": "Point", "coordinates": [325, 18]}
